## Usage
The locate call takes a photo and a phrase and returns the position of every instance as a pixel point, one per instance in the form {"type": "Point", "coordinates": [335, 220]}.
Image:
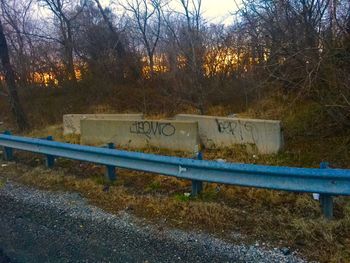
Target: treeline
{"type": "Point", "coordinates": [293, 46]}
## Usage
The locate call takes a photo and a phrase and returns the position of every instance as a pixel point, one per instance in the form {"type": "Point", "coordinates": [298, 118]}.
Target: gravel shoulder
{"type": "Point", "coordinates": [43, 226]}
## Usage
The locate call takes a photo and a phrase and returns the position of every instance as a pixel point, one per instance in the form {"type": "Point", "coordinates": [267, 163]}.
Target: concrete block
{"type": "Point", "coordinates": [164, 134]}
{"type": "Point", "coordinates": [221, 131]}
{"type": "Point", "coordinates": [71, 122]}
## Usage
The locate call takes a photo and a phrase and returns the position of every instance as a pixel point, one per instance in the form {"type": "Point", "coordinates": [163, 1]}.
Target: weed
{"type": "Point", "coordinates": [2, 183]}
{"type": "Point", "coordinates": [283, 219]}
{"type": "Point", "coordinates": [154, 186]}
{"type": "Point", "coordinates": [100, 179]}
{"type": "Point", "coordinates": [210, 193]}
{"type": "Point", "coordinates": [182, 197]}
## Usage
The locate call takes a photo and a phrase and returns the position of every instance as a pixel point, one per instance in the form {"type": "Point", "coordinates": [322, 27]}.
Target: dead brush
{"type": "Point", "coordinates": [282, 219]}
{"type": "Point", "coordinates": [278, 218]}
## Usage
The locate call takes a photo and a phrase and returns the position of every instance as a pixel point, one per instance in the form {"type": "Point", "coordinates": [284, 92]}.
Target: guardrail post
{"type": "Point", "coordinates": [8, 152]}
{"type": "Point", "coordinates": [110, 170]}
{"type": "Point", "coordinates": [197, 186]}
{"type": "Point", "coordinates": [326, 200]}
{"type": "Point", "coordinates": [50, 159]}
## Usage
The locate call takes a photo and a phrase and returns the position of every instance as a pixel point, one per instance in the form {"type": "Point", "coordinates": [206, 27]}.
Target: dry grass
{"type": "Point", "coordinates": [280, 218]}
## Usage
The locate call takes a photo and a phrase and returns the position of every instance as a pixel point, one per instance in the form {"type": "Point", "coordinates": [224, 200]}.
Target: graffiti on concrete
{"type": "Point", "coordinates": [69, 125]}
{"type": "Point", "coordinates": [152, 128]}
{"type": "Point", "coordinates": [244, 132]}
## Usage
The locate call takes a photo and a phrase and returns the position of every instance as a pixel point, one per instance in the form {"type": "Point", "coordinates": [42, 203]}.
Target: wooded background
{"type": "Point", "coordinates": [152, 58]}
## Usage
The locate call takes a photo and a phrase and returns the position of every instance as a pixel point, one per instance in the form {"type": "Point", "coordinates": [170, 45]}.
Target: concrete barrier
{"type": "Point", "coordinates": [71, 122]}
{"type": "Point", "coordinates": [164, 134]}
{"type": "Point", "coordinates": [221, 131]}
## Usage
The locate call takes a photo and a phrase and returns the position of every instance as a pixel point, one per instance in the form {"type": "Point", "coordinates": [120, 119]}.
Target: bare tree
{"type": "Point", "coordinates": [15, 105]}
{"type": "Point", "coordinates": [100, 44]}
{"type": "Point", "coordinates": [300, 47]}
{"type": "Point", "coordinates": [128, 63]}
{"type": "Point", "coordinates": [147, 17]}
{"type": "Point", "coordinates": [189, 38]}
{"type": "Point", "coordinates": [119, 46]}
{"type": "Point", "coordinates": [15, 15]}
{"type": "Point", "coordinates": [62, 10]}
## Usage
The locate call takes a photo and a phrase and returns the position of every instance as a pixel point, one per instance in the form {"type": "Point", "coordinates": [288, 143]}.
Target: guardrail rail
{"type": "Point", "coordinates": [325, 181]}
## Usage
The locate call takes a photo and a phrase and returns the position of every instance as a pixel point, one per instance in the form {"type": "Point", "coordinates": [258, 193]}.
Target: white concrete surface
{"type": "Point", "coordinates": [222, 132]}
{"type": "Point", "coordinates": [164, 134]}
{"type": "Point", "coordinates": [71, 122]}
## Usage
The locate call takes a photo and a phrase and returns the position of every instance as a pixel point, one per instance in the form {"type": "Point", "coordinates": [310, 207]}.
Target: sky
{"type": "Point", "coordinates": [218, 10]}
{"type": "Point", "coordinates": [215, 11]}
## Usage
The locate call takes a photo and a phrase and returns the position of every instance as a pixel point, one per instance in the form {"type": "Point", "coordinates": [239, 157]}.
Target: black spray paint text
{"type": "Point", "coordinates": [152, 128]}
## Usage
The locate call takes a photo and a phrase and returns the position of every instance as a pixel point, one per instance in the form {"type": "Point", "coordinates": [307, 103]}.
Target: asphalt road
{"type": "Point", "coordinates": [38, 226]}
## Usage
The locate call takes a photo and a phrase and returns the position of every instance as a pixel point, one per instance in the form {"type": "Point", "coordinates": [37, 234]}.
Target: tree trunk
{"type": "Point", "coordinates": [120, 48]}
{"type": "Point", "coordinates": [70, 65]}
{"type": "Point", "coordinates": [151, 63]}
{"type": "Point", "coordinates": [15, 105]}
{"type": "Point", "coordinates": [68, 45]}
{"type": "Point", "coordinates": [124, 61]}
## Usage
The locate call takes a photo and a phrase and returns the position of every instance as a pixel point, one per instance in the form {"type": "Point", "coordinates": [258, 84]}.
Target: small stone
{"type": "Point", "coordinates": [285, 251]}
{"type": "Point", "coordinates": [191, 239]}
{"type": "Point", "coordinates": [129, 208]}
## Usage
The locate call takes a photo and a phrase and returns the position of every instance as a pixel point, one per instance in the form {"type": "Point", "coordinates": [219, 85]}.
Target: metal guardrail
{"type": "Point", "coordinates": [328, 182]}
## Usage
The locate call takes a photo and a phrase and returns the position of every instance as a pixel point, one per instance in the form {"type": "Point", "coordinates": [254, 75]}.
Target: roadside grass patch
{"type": "Point", "coordinates": [278, 218]}
{"type": "Point", "coordinates": [185, 197]}
{"type": "Point", "coordinates": [2, 183]}
{"type": "Point", "coordinates": [154, 186]}
{"type": "Point", "coordinates": [210, 193]}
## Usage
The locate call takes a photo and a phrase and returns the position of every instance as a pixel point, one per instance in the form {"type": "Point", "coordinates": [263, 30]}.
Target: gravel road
{"type": "Point", "coordinates": [39, 226]}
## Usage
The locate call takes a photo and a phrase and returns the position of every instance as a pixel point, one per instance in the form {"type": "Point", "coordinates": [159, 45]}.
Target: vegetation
{"type": "Point", "coordinates": [275, 218]}
{"type": "Point", "coordinates": [287, 60]}
{"type": "Point", "coordinates": [247, 215]}
{"type": "Point", "coordinates": [165, 58]}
